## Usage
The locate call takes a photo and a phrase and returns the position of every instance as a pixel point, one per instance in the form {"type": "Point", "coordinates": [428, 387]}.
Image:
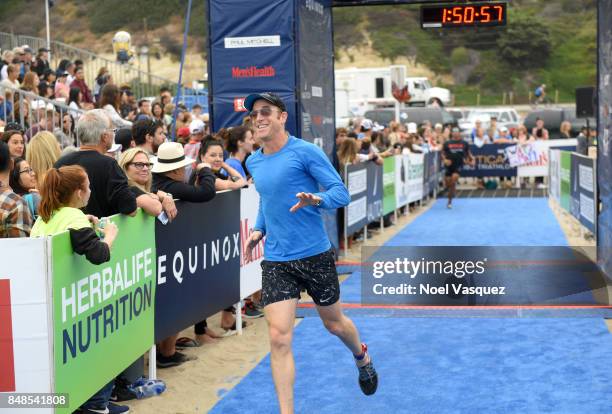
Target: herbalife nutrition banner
{"type": "Point", "coordinates": [389, 185]}
{"type": "Point", "coordinates": [102, 315]}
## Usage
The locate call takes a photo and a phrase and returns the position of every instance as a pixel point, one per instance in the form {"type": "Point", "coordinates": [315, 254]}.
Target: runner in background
{"type": "Point", "coordinates": [454, 152]}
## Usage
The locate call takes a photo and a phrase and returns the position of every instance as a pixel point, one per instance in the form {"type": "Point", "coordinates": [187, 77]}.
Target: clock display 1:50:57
{"type": "Point", "coordinates": [471, 14]}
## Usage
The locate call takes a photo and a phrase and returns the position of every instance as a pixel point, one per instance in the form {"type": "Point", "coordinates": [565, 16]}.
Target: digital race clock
{"type": "Point", "coordinates": [472, 14]}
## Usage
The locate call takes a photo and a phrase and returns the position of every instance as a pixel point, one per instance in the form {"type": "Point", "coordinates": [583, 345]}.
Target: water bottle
{"type": "Point", "coordinates": [145, 388]}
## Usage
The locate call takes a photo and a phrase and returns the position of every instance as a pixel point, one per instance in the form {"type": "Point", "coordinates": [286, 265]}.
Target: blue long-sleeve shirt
{"type": "Point", "coordinates": [297, 167]}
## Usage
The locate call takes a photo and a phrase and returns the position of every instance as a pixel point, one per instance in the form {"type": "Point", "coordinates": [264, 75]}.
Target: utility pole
{"type": "Point", "coordinates": [48, 32]}
{"type": "Point", "coordinates": [146, 33]}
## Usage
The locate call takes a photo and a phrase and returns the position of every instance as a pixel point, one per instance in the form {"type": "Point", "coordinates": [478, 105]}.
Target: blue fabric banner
{"type": "Point", "coordinates": [251, 49]}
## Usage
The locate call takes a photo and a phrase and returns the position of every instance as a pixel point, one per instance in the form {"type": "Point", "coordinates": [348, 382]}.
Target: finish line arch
{"type": "Point", "coordinates": [286, 47]}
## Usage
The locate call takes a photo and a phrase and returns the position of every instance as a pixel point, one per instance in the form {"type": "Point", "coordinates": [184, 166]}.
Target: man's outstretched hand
{"type": "Point", "coordinates": [254, 238]}
{"type": "Point", "coordinates": [306, 199]}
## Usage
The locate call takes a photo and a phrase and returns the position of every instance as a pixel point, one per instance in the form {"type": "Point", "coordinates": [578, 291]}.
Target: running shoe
{"type": "Point", "coordinates": [251, 312]}
{"type": "Point", "coordinates": [368, 378]}
{"type": "Point", "coordinates": [111, 408]}
{"type": "Point", "coordinates": [449, 206]}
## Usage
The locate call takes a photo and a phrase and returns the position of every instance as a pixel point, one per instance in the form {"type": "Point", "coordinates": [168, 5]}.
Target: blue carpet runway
{"type": "Point", "coordinates": [454, 364]}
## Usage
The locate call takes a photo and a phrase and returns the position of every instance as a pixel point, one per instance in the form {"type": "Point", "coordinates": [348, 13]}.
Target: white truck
{"type": "Point", "coordinates": [358, 90]}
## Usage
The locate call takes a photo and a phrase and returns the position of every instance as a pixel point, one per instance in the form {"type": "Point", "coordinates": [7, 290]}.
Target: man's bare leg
{"type": "Point", "coordinates": [338, 324]}
{"type": "Point", "coordinates": [281, 318]}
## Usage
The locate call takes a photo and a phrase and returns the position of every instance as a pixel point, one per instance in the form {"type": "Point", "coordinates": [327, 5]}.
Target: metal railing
{"type": "Point", "coordinates": [29, 109]}
{"type": "Point", "coordinates": [142, 83]}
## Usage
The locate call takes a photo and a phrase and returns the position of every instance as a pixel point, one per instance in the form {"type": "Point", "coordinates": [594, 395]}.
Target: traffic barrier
{"type": "Point", "coordinates": [573, 186]}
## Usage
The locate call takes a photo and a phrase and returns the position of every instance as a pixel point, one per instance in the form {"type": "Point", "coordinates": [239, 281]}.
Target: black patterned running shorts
{"type": "Point", "coordinates": [317, 274]}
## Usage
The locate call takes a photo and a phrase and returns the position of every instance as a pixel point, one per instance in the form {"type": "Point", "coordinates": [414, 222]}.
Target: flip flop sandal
{"type": "Point", "coordinates": [228, 332]}
{"type": "Point", "coordinates": [233, 327]}
{"type": "Point", "coordinates": [185, 342]}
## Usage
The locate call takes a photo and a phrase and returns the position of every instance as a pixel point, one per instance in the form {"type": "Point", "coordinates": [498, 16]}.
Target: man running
{"type": "Point", "coordinates": [288, 173]}
{"type": "Point", "coordinates": [454, 152]}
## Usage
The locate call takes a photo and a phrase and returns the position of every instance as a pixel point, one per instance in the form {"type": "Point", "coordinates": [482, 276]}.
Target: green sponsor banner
{"type": "Point", "coordinates": [566, 166]}
{"type": "Point", "coordinates": [389, 185]}
{"type": "Point", "coordinates": [103, 315]}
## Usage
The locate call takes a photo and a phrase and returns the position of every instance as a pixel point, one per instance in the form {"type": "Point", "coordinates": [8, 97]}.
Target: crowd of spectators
{"type": "Point", "coordinates": [68, 176]}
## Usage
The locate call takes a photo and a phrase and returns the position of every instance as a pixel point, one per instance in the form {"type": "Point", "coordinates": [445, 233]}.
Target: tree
{"type": "Point", "coordinates": [526, 43]}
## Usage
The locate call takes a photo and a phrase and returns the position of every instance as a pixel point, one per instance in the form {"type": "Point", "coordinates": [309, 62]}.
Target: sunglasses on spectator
{"type": "Point", "coordinates": [27, 171]}
{"type": "Point", "coordinates": [141, 165]}
{"type": "Point", "coordinates": [265, 111]}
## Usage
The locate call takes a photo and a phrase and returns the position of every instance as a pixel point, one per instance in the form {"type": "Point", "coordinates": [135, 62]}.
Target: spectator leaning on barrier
{"type": "Point", "coordinates": [169, 175]}
{"type": "Point", "coordinates": [65, 191]}
{"type": "Point", "coordinates": [239, 143]}
{"type": "Point", "coordinates": [15, 217]}
{"type": "Point", "coordinates": [23, 182]}
{"type": "Point", "coordinates": [137, 166]}
{"type": "Point", "coordinates": [109, 188]}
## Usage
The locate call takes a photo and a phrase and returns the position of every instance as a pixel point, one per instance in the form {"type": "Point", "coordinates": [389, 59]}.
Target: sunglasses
{"type": "Point", "coordinates": [141, 165]}
{"type": "Point", "coordinates": [265, 111]}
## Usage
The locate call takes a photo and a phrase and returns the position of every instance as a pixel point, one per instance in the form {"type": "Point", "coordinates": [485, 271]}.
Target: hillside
{"type": "Point", "coordinates": [545, 41]}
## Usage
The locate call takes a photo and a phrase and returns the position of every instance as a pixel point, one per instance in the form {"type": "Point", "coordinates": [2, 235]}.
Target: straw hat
{"type": "Point", "coordinates": [170, 156]}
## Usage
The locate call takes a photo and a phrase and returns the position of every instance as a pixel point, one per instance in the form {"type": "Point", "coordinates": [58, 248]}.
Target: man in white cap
{"type": "Point", "coordinates": [196, 131]}
{"type": "Point", "coordinates": [366, 129]}
{"type": "Point", "coordinates": [289, 173]}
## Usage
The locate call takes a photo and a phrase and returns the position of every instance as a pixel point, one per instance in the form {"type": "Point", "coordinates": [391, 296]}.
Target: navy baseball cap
{"type": "Point", "coordinates": [266, 96]}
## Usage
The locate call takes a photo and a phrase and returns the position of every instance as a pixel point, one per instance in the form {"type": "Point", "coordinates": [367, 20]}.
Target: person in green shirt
{"type": "Point", "coordinates": [63, 193]}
